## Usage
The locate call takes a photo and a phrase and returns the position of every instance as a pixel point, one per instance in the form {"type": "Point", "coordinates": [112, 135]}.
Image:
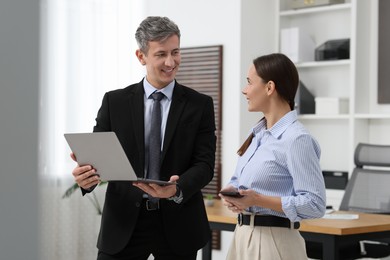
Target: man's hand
{"type": "Point", "coordinates": [158, 191]}
{"type": "Point", "coordinates": [85, 176]}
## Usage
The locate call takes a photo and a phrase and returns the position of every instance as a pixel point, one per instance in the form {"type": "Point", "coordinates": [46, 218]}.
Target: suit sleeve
{"type": "Point", "coordinates": [201, 170]}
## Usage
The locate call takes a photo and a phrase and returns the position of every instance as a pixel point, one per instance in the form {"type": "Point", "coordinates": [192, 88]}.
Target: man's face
{"type": "Point", "coordinates": [162, 61]}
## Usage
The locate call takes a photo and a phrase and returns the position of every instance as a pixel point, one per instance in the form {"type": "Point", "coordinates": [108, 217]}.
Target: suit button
{"type": "Point", "coordinates": [137, 204]}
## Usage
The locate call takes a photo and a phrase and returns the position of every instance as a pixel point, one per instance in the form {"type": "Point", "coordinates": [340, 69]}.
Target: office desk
{"type": "Point", "coordinates": [331, 233]}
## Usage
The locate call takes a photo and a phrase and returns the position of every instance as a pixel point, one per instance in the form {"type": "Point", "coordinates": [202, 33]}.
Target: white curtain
{"type": "Point", "coordinates": [88, 48]}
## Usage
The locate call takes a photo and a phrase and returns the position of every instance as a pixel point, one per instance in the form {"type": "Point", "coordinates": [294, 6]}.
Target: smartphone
{"type": "Point", "coordinates": [235, 194]}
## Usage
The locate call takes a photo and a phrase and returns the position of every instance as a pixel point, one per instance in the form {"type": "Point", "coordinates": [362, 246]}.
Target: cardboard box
{"type": "Point", "coordinates": [331, 106]}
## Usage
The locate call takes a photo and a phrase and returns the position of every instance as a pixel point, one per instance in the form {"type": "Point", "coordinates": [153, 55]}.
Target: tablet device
{"type": "Point", "coordinates": [235, 194]}
{"type": "Point", "coordinates": [104, 152]}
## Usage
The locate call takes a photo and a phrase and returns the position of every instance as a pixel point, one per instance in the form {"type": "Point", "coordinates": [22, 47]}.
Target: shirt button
{"type": "Point", "coordinates": [137, 204]}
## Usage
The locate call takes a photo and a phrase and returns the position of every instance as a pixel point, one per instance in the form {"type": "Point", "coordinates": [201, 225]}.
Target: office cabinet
{"type": "Point", "coordinates": [353, 79]}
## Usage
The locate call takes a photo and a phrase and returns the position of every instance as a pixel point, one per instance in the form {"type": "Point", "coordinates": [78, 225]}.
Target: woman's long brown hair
{"type": "Point", "coordinates": [245, 145]}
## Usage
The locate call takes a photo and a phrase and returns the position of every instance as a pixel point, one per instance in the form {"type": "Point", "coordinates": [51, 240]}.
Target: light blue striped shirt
{"type": "Point", "coordinates": [283, 161]}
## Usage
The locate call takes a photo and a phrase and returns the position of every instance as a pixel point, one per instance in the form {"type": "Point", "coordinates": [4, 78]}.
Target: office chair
{"type": "Point", "coordinates": [367, 191]}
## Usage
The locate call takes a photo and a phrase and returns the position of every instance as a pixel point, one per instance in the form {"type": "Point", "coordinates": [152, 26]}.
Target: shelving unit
{"type": "Point", "coordinates": [354, 79]}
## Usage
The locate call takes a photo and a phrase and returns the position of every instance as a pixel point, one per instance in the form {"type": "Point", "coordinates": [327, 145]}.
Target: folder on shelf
{"type": "Point", "coordinates": [296, 44]}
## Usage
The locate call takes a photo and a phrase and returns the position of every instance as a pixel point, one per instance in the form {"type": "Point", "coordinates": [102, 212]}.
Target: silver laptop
{"type": "Point", "coordinates": [104, 152]}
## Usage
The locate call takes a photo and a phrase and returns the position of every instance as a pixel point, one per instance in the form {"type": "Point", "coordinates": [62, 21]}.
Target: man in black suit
{"type": "Point", "coordinates": [140, 219]}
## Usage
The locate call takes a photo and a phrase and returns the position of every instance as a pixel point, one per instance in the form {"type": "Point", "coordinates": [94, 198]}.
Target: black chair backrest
{"type": "Point", "coordinates": [372, 155]}
{"type": "Point", "coordinates": [368, 190]}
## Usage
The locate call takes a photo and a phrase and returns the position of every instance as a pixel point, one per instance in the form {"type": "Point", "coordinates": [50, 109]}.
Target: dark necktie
{"type": "Point", "coordinates": [155, 138]}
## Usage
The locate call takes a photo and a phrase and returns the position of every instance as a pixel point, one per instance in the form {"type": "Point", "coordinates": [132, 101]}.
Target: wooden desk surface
{"type": "Point", "coordinates": [365, 224]}
{"type": "Point", "coordinates": [220, 213]}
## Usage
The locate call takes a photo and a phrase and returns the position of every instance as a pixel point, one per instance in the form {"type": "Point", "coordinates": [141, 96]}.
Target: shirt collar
{"type": "Point", "coordinates": [277, 129]}
{"type": "Point", "coordinates": [167, 90]}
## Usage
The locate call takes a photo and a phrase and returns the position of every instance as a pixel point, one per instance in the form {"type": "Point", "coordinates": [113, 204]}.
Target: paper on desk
{"type": "Point", "coordinates": [328, 211]}
{"type": "Point", "coordinates": [341, 216]}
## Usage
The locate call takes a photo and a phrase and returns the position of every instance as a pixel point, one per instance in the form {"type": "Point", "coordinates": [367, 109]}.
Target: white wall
{"type": "Point", "coordinates": [19, 94]}
{"type": "Point", "coordinates": [257, 36]}
{"type": "Point", "coordinates": [246, 30]}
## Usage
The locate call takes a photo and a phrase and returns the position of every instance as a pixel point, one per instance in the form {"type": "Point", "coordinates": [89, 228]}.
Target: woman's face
{"type": "Point", "coordinates": [255, 91]}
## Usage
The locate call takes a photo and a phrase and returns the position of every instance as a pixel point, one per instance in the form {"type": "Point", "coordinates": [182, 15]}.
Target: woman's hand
{"type": "Point", "coordinates": [239, 204]}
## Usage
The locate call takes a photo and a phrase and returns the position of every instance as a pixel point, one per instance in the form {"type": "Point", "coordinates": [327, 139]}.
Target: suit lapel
{"type": "Point", "coordinates": [136, 103]}
{"type": "Point", "coordinates": [177, 107]}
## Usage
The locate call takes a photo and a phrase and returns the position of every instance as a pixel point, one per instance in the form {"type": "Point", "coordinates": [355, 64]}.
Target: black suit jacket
{"type": "Point", "coordinates": [188, 151]}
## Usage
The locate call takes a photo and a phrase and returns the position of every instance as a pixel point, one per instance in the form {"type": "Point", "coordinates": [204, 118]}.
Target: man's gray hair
{"type": "Point", "coordinates": [155, 28]}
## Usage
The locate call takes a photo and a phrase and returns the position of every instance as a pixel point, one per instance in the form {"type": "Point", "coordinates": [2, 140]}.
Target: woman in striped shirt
{"type": "Point", "coordinates": [278, 175]}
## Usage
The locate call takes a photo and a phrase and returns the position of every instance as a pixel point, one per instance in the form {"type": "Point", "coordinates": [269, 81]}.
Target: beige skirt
{"type": "Point", "coordinates": [266, 243]}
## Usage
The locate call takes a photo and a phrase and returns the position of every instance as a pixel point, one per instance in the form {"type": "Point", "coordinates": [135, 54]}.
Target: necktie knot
{"type": "Point", "coordinates": [157, 96]}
